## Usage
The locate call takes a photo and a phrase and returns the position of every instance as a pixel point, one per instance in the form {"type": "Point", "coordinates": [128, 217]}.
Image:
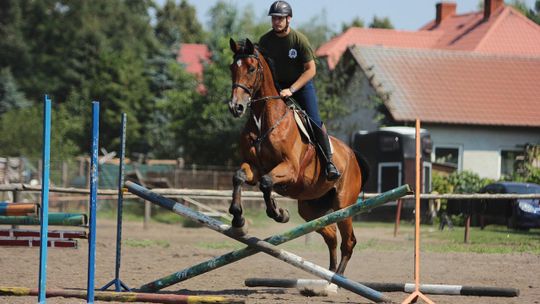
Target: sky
{"type": "Point", "coordinates": [404, 14]}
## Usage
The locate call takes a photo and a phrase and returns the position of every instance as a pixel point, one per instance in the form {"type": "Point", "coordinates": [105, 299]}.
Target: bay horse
{"type": "Point", "coordinates": [278, 157]}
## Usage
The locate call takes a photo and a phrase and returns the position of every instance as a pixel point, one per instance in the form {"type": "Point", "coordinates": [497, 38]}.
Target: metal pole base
{"type": "Point", "coordinates": [118, 286]}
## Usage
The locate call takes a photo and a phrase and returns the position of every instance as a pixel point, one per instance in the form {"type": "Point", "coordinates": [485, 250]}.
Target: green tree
{"type": "Point", "coordinates": [10, 96]}
{"type": "Point", "coordinates": [329, 86]}
{"type": "Point", "coordinates": [249, 26]}
{"type": "Point", "coordinates": [356, 22]}
{"type": "Point", "coordinates": [316, 30]}
{"type": "Point", "coordinates": [178, 90]}
{"type": "Point", "coordinates": [531, 13]}
{"type": "Point", "coordinates": [178, 23]}
{"type": "Point", "coordinates": [87, 51]}
{"type": "Point", "coordinates": [201, 122]}
{"type": "Point", "coordinates": [23, 137]}
{"type": "Point", "coordinates": [381, 22]}
{"type": "Point", "coordinates": [209, 125]}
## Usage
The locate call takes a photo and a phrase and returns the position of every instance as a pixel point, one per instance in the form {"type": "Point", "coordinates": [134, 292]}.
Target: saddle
{"type": "Point", "coordinates": [305, 124]}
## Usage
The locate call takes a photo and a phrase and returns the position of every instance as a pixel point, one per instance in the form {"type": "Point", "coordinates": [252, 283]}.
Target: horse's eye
{"type": "Point", "coordinates": [251, 69]}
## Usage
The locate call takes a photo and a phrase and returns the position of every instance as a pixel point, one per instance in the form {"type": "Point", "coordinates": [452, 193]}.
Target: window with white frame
{"type": "Point", "coordinates": [447, 155]}
{"type": "Point", "coordinates": [510, 161]}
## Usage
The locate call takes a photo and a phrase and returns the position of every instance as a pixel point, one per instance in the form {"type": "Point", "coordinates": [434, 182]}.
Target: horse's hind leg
{"type": "Point", "coordinates": [310, 210]}
{"type": "Point", "coordinates": [348, 241]}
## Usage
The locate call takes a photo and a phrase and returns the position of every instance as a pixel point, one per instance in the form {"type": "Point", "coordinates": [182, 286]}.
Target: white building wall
{"type": "Point", "coordinates": [481, 146]}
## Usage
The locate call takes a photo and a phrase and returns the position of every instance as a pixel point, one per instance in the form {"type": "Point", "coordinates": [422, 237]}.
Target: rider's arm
{"type": "Point", "coordinates": [310, 70]}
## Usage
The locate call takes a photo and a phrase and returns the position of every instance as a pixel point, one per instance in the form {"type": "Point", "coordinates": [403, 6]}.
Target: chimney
{"type": "Point", "coordinates": [490, 6]}
{"type": "Point", "coordinates": [444, 10]}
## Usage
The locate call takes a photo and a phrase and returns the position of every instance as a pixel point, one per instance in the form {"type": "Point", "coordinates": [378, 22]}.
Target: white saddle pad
{"type": "Point", "coordinates": [304, 131]}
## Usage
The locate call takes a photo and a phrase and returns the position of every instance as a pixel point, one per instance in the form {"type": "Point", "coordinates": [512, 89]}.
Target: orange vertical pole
{"type": "Point", "coordinates": [417, 294]}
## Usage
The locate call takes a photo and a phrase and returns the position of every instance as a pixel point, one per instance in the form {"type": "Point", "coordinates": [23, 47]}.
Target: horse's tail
{"type": "Point", "coordinates": [364, 167]}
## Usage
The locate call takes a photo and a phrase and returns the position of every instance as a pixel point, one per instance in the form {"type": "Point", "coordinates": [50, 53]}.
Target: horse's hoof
{"type": "Point", "coordinates": [283, 216]}
{"type": "Point", "coordinates": [238, 222]}
{"type": "Point", "coordinates": [239, 231]}
{"type": "Point", "coordinates": [316, 288]}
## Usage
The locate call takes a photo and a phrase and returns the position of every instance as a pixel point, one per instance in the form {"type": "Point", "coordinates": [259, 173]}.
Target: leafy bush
{"type": "Point", "coordinates": [459, 182]}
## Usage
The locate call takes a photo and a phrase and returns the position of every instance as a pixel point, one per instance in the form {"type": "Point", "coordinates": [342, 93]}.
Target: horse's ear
{"type": "Point", "coordinates": [250, 49]}
{"type": "Point", "coordinates": [234, 46]}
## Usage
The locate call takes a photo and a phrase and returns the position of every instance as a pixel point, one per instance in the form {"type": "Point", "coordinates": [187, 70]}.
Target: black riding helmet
{"type": "Point", "coordinates": [280, 8]}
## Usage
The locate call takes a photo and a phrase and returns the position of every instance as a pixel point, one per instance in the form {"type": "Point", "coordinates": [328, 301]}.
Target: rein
{"type": "Point", "coordinates": [258, 141]}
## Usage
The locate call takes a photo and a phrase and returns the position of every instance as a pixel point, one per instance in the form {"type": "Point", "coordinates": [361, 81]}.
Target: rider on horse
{"type": "Point", "coordinates": [295, 68]}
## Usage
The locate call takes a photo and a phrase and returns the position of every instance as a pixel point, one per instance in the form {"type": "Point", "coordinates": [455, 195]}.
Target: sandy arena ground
{"type": "Point", "coordinates": [163, 249]}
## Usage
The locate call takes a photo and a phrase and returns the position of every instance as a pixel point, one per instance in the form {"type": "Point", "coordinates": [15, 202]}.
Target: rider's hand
{"type": "Point", "coordinates": [285, 93]}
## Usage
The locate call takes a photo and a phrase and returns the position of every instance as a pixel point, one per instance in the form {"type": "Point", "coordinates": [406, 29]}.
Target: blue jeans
{"type": "Point", "coordinates": [307, 99]}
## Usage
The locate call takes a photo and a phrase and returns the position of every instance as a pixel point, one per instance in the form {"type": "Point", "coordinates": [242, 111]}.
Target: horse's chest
{"type": "Point", "coordinates": [262, 150]}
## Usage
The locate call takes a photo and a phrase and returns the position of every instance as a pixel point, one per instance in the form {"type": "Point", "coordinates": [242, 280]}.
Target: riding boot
{"type": "Point", "coordinates": [332, 173]}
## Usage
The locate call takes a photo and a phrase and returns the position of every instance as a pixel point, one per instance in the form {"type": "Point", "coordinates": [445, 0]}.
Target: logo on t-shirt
{"type": "Point", "coordinates": [293, 53]}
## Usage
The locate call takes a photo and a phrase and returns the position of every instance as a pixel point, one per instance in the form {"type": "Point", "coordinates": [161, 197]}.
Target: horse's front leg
{"type": "Point", "coordinates": [245, 174]}
{"type": "Point", "coordinates": [281, 174]}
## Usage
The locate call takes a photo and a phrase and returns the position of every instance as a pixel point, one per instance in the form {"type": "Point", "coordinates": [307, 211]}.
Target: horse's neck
{"type": "Point", "coordinates": [273, 109]}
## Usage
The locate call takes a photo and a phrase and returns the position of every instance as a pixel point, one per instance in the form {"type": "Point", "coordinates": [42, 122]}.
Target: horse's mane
{"type": "Point", "coordinates": [262, 51]}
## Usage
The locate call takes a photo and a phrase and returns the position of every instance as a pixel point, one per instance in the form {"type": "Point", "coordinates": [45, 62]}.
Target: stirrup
{"type": "Point", "coordinates": [332, 173]}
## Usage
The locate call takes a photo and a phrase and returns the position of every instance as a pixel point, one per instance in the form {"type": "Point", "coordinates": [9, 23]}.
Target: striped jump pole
{"type": "Point", "coordinates": [111, 296]}
{"type": "Point", "coordinates": [231, 257]}
{"type": "Point", "coordinates": [270, 249]}
{"type": "Point", "coordinates": [54, 218]}
{"type": "Point", "coordinates": [434, 289]}
{"type": "Point", "coordinates": [18, 209]}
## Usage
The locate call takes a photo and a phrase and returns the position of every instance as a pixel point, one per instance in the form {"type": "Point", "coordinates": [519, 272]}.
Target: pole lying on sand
{"type": "Point", "coordinates": [437, 289]}
{"type": "Point", "coordinates": [269, 248]}
{"type": "Point", "coordinates": [121, 296]}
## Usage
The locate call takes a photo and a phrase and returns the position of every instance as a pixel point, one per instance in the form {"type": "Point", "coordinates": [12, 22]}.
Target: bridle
{"type": "Point", "coordinates": [256, 86]}
{"type": "Point", "coordinates": [258, 80]}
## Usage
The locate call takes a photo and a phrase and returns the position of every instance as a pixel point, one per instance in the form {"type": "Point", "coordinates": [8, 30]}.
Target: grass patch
{"type": "Point", "coordinates": [493, 239]}
{"type": "Point", "coordinates": [364, 224]}
{"type": "Point", "coordinates": [145, 243]}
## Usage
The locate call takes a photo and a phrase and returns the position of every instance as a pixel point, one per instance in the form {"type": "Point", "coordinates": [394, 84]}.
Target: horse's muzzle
{"type": "Point", "coordinates": [237, 109]}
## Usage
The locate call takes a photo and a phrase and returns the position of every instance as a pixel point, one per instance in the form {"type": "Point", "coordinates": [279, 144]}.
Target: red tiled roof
{"type": "Point", "coordinates": [334, 48]}
{"type": "Point", "coordinates": [193, 56]}
{"type": "Point", "coordinates": [455, 87]}
{"type": "Point", "coordinates": [507, 31]}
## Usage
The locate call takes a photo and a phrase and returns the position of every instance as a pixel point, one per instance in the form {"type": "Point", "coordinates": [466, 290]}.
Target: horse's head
{"type": "Point", "coordinates": [247, 76]}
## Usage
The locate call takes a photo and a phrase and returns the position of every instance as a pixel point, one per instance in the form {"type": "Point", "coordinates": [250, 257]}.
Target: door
{"type": "Point", "coordinates": [389, 176]}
